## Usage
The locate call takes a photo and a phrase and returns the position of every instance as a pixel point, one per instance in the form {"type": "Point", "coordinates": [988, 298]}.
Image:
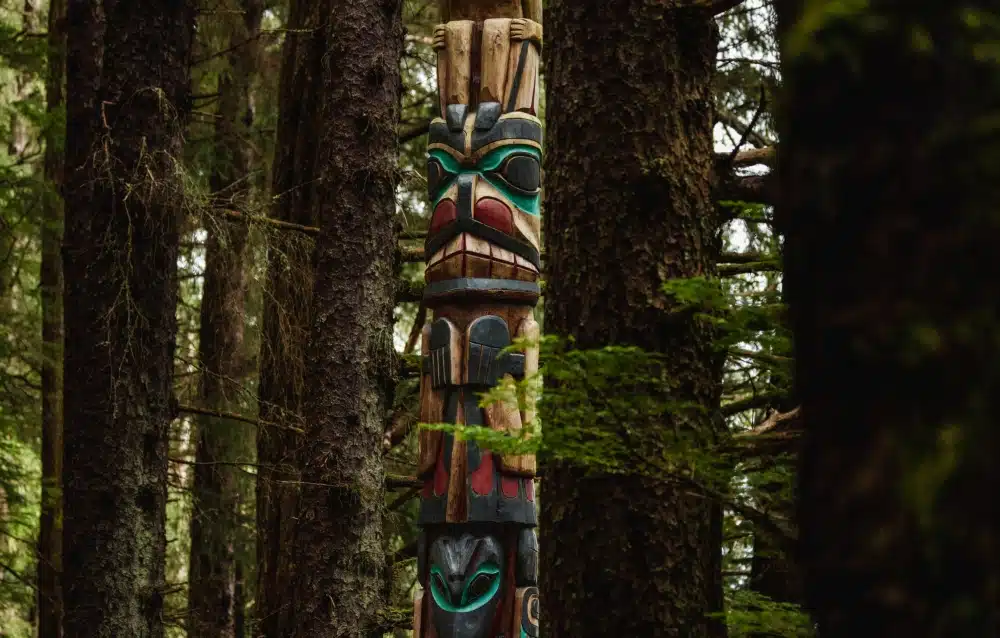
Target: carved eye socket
{"type": "Point", "coordinates": [441, 588]}
{"type": "Point", "coordinates": [437, 176]}
{"type": "Point", "coordinates": [480, 586]}
{"type": "Point", "coordinates": [522, 172]}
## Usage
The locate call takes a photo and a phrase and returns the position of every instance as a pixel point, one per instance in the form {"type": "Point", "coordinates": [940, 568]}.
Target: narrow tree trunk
{"type": "Point", "coordinates": [216, 488]}
{"type": "Point", "coordinates": [891, 208]}
{"type": "Point", "coordinates": [628, 159]}
{"type": "Point", "coordinates": [50, 524]}
{"type": "Point", "coordinates": [339, 588]}
{"type": "Point", "coordinates": [286, 315]}
{"type": "Point", "coordinates": [123, 205]}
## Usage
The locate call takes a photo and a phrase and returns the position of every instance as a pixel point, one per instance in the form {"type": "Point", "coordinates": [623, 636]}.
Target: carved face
{"type": "Point", "coordinates": [464, 581]}
{"type": "Point", "coordinates": [484, 186]}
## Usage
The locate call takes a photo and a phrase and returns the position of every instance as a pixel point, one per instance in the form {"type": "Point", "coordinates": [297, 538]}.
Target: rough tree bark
{"type": "Point", "coordinates": [339, 587]}
{"type": "Point", "coordinates": [212, 600]}
{"type": "Point", "coordinates": [892, 211]}
{"type": "Point", "coordinates": [286, 314]}
{"type": "Point", "coordinates": [50, 524]}
{"type": "Point", "coordinates": [628, 207]}
{"type": "Point", "coordinates": [127, 92]}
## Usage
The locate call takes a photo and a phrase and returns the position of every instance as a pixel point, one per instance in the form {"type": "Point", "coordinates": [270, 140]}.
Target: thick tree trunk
{"type": "Point", "coordinates": [628, 207]}
{"type": "Point", "coordinates": [216, 490]}
{"type": "Point", "coordinates": [123, 205]}
{"type": "Point", "coordinates": [339, 588]}
{"type": "Point", "coordinates": [50, 524]}
{"type": "Point", "coordinates": [286, 315]}
{"type": "Point", "coordinates": [891, 208]}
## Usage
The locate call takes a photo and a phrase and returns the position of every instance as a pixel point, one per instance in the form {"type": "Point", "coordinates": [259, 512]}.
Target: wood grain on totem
{"type": "Point", "coordinates": [527, 86]}
{"type": "Point", "coordinates": [505, 417]}
{"type": "Point", "coordinates": [458, 71]}
{"type": "Point", "coordinates": [529, 330]}
{"type": "Point", "coordinates": [499, 265]}
{"type": "Point", "coordinates": [495, 56]}
{"type": "Point", "coordinates": [456, 510]}
{"type": "Point", "coordinates": [462, 314]}
{"type": "Point", "coordinates": [526, 29]}
{"type": "Point", "coordinates": [418, 613]}
{"type": "Point", "coordinates": [480, 10]}
{"type": "Point", "coordinates": [431, 411]}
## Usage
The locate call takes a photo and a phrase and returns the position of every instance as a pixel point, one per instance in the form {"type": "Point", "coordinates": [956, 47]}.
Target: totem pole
{"type": "Point", "coordinates": [477, 550]}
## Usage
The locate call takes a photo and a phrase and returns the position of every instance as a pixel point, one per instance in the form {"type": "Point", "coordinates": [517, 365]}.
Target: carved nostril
{"type": "Point", "coordinates": [495, 213]}
{"type": "Point", "coordinates": [444, 214]}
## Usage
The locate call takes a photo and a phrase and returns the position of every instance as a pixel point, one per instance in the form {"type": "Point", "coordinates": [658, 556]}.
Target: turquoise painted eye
{"type": "Point", "coordinates": [439, 588]}
{"type": "Point", "coordinates": [479, 587]}
{"type": "Point", "coordinates": [482, 586]}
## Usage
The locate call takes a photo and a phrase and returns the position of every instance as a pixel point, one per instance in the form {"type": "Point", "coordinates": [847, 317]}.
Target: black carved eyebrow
{"type": "Point", "coordinates": [440, 134]}
{"type": "Point", "coordinates": [513, 128]}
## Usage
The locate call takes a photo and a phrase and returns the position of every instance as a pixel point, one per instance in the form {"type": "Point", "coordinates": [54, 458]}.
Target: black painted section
{"type": "Point", "coordinates": [432, 510]}
{"type": "Point", "coordinates": [526, 572]}
{"type": "Point", "coordinates": [439, 134]}
{"type": "Point", "coordinates": [454, 115]}
{"type": "Point", "coordinates": [468, 225]}
{"type": "Point", "coordinates": [523, 173]}
{"type": "Point", "coordinates": [487, 115]}
{"type": "Point", "coordinates": [516, 84]}
{"type": "Point", "coordinates": [474, 456]}
{"type": "Point", "coordinates": [469, 284]}
{"type": "Point", "coordinates": [488, 335]}
{"type": "Point", "coordinates": [473, 413]}
{"type": "Point", "coordinates": [513, 128]}
{"type": "Point", "coordinates": [441, 354]}
{"type": "Point", "coordinates": [435, 178]}
{"type": "Point", "coordinates": [465, 184]}
{"type": "Point", "coordinates": [422, 557]}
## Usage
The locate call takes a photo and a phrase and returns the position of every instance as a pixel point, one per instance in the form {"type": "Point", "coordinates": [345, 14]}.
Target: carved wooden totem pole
{"type": "Point", "coordinates": [477, 552]}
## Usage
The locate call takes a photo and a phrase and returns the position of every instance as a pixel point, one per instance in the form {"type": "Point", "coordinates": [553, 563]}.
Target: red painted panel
{"type": "Point", "coordinates": [509, 486]}
{"type": "Point", "coordinates": [444, 214]}
{"type": "Point", "coordinates": [428, 489]}
{"type": "Point", "coordinates": [482, 477]}
{"type": "Point", "coordinates": [495, 213]}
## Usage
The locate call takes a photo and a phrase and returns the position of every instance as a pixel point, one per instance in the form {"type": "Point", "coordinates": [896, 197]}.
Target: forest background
{"type": "Point", "coordinates": [222, 448]}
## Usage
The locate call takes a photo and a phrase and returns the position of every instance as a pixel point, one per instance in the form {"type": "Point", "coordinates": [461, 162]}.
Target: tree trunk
{"type": "Point", "coordinates": [124, 199]}
{"type": "Point", "coordinates": [891, 210]}
{"type": "Point", "coordinates": [216, 489]}
{"type": "Point", "coordinates": [339, 588]}
{"type": "Point", "coordinates": [50, 524]}
{"type": "Point", "coordinates": [286, 315]}
{"type": "Point", "coordinates": [628, 208]}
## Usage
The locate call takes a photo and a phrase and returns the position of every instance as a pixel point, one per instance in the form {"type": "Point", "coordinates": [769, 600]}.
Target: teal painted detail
{"type": "Point", "coordinates": [490, 162]}
{"type": "Point", "coordinates": [442, 598]}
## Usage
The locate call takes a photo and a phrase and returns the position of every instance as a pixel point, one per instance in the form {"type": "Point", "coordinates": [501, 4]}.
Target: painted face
{"type": "Point", "coordinates": [464, 581]}
{"type": "Point", "coordinates": [484, 186]}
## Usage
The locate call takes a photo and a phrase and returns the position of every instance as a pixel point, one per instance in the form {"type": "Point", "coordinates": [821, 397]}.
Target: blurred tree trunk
{"type": "Point", "coordinates": [50, 524]}
{"type": "Point", "coordinates": [286, 314]}
{"type": "Point", "coordinates": [339, 576]}
{"type": "Point", "coordinates": [127, 96]}
{"type": "Point", "coordinates": [891, 208]}
{"type": "Point", "coordinates": [628, 207]}
{"type": "Point", "coordinates": [216, 489]}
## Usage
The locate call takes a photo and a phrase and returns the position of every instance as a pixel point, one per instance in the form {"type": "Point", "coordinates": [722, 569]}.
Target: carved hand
{"type": "Point", "coordinates": [524, 29]}
{"type": "Point", "coordinates": [438, 42]}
